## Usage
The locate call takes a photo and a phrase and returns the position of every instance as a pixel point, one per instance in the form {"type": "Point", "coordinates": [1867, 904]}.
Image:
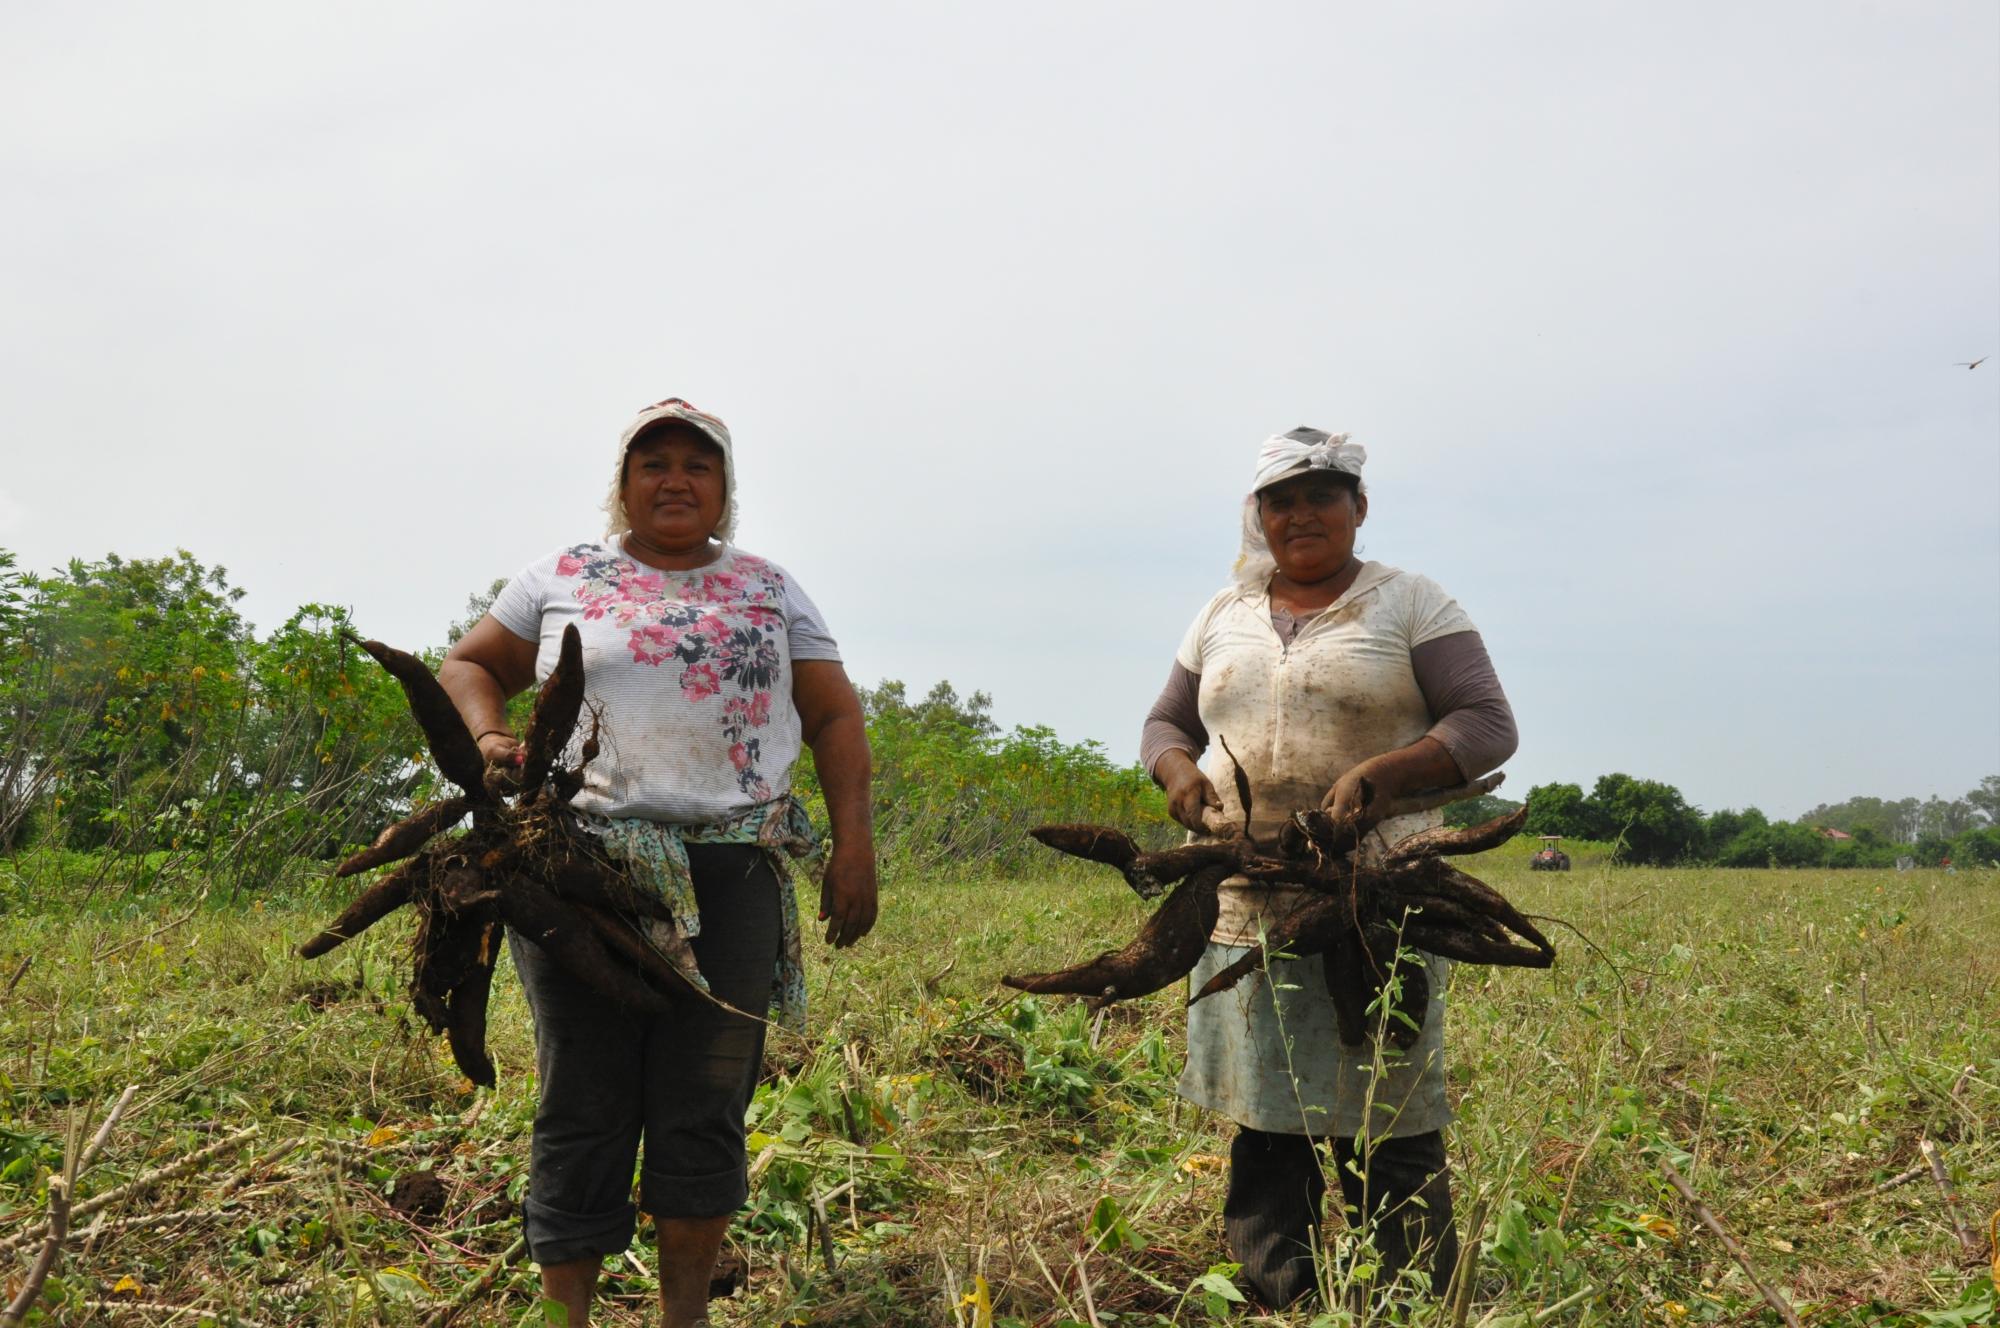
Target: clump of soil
{"type": "Point", "coordinates": [320, 996]}
{"type": "Point", "coordinates": [499, 1208]}
{"type": "Point", "coordinates": [729, 1276]}
{"type": "Point", "coordinates": [986, 1065]}
{"type": "Point", "coordinates": [419, 1194]}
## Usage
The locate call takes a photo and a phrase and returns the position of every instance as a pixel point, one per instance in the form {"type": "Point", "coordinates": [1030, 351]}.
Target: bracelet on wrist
{"type": "Point", "coordinates": [481, 737]}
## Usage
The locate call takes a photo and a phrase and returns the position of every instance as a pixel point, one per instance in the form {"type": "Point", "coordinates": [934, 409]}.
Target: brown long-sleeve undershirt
{"type": "Point", "coordinates": [1472, 718]}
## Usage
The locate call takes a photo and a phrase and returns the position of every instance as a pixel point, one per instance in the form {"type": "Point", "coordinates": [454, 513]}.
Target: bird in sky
{"type": "Point", "coordinates": [1972, 364]}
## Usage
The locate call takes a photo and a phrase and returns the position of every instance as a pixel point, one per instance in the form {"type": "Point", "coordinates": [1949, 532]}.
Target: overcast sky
{"type": "Point", "coordinates": [1647, 316]}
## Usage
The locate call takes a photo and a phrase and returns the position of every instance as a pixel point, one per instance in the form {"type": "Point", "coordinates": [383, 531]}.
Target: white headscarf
{"type": "Point", "coordinates": [673, 408]}
{"type": "Point", "coordinates": [1282, 456]}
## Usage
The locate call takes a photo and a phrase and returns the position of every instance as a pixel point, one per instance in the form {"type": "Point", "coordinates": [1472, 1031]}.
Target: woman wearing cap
{"type": "Point", "coordinates": [1320, 669]}
{"type": "Point", "coordinates": [711, 669]}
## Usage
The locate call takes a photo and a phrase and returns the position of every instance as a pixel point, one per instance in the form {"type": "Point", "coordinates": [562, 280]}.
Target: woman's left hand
{"type": "Point", "coordinates": [1424, 764]}
{"type": "Point", "coordinates": [1358, 796]}
{"type": "Point", "coordinates": [847, 896]}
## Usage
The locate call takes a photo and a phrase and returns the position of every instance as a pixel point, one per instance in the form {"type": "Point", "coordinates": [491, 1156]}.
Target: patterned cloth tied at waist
{"type": "Point", "coordinates": [656, 854]}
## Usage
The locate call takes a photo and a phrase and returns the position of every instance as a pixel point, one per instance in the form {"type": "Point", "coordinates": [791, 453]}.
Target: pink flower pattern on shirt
{"type": "Point", "coordinates": [698, 683]}
{"type": "Point", "coordinates": [720, 629]}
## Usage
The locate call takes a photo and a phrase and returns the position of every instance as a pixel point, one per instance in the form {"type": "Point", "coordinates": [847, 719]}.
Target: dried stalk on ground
{"type": "Point", "coordinates": [478, 1286]}
{"type": "Point", "coordinates": [1842, 1200]}
{"type": "Point", "coordinates": [139, 1184]}
{"type": "Point", "coordinates": [1359, 917]}
{"type": "Point", "coordinates": [1934, 1157]}
{"type": "Point", "coordinates": [1772, 1296]}
{"type": "Point", "coordinates": [173, 1312]}
{"type": "Point", "coordinates": [523, 864]}
{"type": "Point", "coordinates": [62, 1188]}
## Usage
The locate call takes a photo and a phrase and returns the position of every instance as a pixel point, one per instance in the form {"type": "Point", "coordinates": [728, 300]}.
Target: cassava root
{"type": "Point", "coordinates": [523, 864]}
{"type": "Point", "coordinates": [1365, 919]}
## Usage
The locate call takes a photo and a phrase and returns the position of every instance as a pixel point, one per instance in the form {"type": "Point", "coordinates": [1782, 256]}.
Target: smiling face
{"type": "Point", "coordinates": [1310, 522]}
{"type": "Point", "coordinates": [674, 490]}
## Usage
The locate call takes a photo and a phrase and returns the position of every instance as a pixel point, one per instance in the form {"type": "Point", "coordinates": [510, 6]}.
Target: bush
{"type": "Point", "coordinates": [1780, 845]}
{"type": "Point", "coordinates": [1979, 847]}
{"type": "Point", "coordinates": [140, 716]}
{"type": "Point", "coordinates": [950, 788]}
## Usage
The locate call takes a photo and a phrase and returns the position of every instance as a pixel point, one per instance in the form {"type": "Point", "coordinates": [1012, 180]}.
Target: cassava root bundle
{"type": "Point", "coordinates": [522, 864]}
{"type": "Point", "coordinates": [1360, 917]}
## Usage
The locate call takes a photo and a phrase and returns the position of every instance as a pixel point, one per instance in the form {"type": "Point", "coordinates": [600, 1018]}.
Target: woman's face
{"type": "Point", "coordinates": [1310, 521]}
{"type": "Point", "coordinates": [674, 490]}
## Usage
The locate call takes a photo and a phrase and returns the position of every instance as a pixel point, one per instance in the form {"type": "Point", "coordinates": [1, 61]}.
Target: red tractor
{"type": "Point", "coordinates": [1549, 857]}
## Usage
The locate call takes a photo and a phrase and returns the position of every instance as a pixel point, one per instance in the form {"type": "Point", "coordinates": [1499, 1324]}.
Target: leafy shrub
{"type": "Point", "coordinates": [950, 788]}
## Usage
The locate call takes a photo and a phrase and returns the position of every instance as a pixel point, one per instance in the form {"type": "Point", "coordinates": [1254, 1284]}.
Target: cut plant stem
{"type": "Point", "coordinates": [1934, 1155]}
{"type": "Point", "coordinates": [1771, 1295]}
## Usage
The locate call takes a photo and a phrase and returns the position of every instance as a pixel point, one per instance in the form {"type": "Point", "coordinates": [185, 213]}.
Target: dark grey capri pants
{"type": "Point", "coordinates": [680, 1080]}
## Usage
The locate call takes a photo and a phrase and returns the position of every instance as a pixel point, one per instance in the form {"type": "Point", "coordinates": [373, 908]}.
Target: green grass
{"type": "Point", "coordinates": [1719, 1022]}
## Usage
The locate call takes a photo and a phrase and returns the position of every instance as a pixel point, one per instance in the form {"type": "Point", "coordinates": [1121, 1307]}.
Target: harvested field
{"type": "Point", "coordinates": [303, 1150]}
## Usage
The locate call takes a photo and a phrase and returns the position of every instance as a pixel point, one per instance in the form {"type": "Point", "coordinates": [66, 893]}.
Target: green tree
{"type": "Point", "coordinates": [1941, 818]}
{"type": "Point", "coordinates": [16, 587]}
{"type": "Point", "coordinates": [1479, 810]}
{"type": "Point", "coordinates": [1892, 820]}
{"type": "Point", "coordinates": [1979, 846]}
{"type": "Point", "coordinates": [1655, 823]}
{"type": "Point", "coordinates": [1985, 799]}
{"type": "Point", "coordinates": [940, 708]}
{"type": "Point", "coordinates": [27, 753]}
{"type": "Point", "coordinates": [1775, 844]}
{"type": "Point", "coordinates": [1561, 809]}
{"type": "Point", "coordinates": [476, 606]}
{"type": "Point", "coordinates": [1930, 849]}
{"type": "Point", "coordinates": [139, 669]}
{"type": "Point", "coordinates": [1866, 849]}
{"type": "Point", "coordinates": [1724, 826]}
{"type": "Point", "coordinates": [332, 753]}
{"type": "Point", "coordinates": [949, 787]}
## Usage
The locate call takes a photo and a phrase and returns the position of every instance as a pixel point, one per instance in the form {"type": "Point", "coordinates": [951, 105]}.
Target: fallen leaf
{"type": "Point", "coordinates": [1660, 1226]}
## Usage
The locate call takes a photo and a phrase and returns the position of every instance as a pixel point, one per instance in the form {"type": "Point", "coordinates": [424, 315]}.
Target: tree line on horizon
{"type": "Point", "coordinates": [1651, 822]}
{"type": "Point", "coordinates": [140, 714]}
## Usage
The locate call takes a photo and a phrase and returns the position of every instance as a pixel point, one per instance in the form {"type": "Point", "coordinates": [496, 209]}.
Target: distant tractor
{"type": "Point", "coordinates": [1549, 857]}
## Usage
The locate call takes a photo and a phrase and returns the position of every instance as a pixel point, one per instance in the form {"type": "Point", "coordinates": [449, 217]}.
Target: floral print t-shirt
{"type": "Point", "coordinates": [690, 674]}
{"type": "Point", "coordinates": [690, 671]}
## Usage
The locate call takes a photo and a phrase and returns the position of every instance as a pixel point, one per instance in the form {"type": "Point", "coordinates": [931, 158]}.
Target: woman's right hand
{"type": "Point", "coordinates": [1189, 793]}
{"type": "Point", "coordinates": [501, 749]}
{"type": "Point", "coordinates": [486, 666]}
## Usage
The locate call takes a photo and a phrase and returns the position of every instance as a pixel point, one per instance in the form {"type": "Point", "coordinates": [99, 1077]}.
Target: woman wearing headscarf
{"type": "Point", "coordinates": [1320, 670]}
{"type": "Point", "coordinates": [710, 670]}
